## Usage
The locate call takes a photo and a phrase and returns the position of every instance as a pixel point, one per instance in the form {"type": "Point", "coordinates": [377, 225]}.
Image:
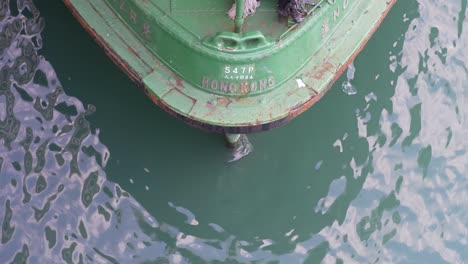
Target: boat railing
{"type": "Point", "coordinates": [239, 19]}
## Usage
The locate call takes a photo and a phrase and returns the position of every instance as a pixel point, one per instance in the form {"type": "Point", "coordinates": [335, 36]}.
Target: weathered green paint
{"type": "Point", "coordinates": [194, 65]}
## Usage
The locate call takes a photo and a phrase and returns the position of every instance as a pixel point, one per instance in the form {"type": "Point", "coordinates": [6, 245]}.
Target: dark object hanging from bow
{"type": "Point", "coordinates": [296, 9]}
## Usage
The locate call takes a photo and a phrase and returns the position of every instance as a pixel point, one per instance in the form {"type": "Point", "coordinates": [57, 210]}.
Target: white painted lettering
{"type": "Point", "coordinates": [232, 87]}
{"type": "Point", "coordinates": [214, 85]}
{"type": "Point", "coordinates": [263, 84]}
{"type": "Point", "coordinates": [244, 87]}
{"type": "Point", "coordinates": [253, 86]}
{"type": "Point", "coordinates": [271, 81]}
{"type": "Point", "coordinates": [206, 82]}
{"type": "Point", "coordinates": [224, 87]}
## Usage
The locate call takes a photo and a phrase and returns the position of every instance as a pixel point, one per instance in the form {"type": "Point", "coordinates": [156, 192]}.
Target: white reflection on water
{"type": "Point", "coordinates": [424, 151]}
{"type": "Point", "coordinates": [410, 206]}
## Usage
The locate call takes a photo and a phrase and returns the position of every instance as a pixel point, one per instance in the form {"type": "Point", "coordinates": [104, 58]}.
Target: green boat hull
{"type": "Point", "coordinates": [191, 63]}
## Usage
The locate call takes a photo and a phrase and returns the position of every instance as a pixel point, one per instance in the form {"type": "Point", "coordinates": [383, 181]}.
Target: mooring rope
{"type": "Point", "coordinates": [250, 6]}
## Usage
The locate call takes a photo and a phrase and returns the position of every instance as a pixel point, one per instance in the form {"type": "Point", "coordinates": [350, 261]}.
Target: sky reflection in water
{"type": "Point", "coordinates": [386, 183]}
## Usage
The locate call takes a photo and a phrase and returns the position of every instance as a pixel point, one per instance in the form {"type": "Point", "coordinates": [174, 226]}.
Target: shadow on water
{"type": "Point", "coordinates": [356, 179]}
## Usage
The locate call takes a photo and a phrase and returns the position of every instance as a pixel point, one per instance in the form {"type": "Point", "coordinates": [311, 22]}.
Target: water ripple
{"type": "Point", "coordinates": [392, 176]}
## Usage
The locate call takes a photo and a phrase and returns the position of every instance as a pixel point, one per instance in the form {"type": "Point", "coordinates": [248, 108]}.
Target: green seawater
{"type": "Point", "coordinates": [91, 171]}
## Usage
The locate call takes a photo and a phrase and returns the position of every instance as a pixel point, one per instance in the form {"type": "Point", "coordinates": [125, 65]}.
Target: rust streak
{"type": "Point", "coordinates": [179, 82]}
{"type": "Point", "coordinates": [225, 101]}
{"type": "Point", "coordinates": [134, 52]}
{"type": "Point", "coordinates": [318, 72]}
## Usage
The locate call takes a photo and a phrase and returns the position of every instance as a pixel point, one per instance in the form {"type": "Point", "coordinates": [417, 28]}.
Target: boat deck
{"type": "Point", "coordinates": [207, 17]}
{"type": "Point", "coordinates": [196, 82]}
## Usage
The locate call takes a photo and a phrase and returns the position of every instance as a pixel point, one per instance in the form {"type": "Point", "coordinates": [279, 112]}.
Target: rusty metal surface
{"type": "Point", "coordinates": [325, 72]}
